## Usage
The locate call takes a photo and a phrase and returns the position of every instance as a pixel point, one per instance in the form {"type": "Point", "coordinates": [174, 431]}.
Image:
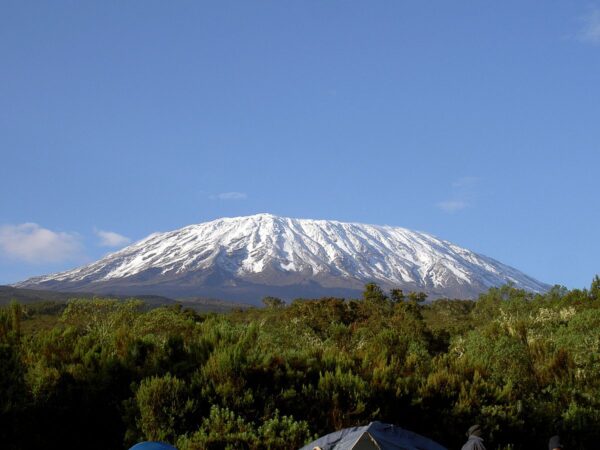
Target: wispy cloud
{"type": "Point", "coordinates": [111, 239]}
{"type": "Point", "coordinates": [229, 196]}
{"type": "Point", "coordinates": [451, 206]}
{"type": "Point", "coordinates": [461, 195]}
{"type": "Point", "coordinates": [32, 243]}
{"type": "Point", "coordinates": [590, 27]}
{"type": "Point", "coordinates": [465, 182]}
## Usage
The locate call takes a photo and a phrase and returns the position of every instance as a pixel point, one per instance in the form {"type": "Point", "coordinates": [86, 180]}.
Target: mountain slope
{"type": "Point", "coordinates": [249, 257]}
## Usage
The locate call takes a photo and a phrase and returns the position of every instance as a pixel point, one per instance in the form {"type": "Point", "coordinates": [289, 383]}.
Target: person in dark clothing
{"type": "Point", "coordinates": [554, 443]}
{"type": "Point", "coordinates": [475, 441]}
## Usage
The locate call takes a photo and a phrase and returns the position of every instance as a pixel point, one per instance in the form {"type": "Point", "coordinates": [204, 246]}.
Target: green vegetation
{"type": "Point", "coordinates": [103, 374]}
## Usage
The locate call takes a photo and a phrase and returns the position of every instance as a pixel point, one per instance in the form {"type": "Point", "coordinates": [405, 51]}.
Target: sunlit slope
{"type": "Point", "coordinates": [249, 257]}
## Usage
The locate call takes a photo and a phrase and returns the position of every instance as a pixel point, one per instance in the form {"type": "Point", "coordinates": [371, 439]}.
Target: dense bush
{"type": "Point", "coordinates": [105, 374]}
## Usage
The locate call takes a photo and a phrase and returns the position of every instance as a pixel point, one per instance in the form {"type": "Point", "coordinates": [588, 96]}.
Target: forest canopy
{"type": "Point", "coordinates": [102, 373]}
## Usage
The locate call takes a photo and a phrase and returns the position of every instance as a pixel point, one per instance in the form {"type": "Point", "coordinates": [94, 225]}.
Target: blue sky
{"type": "Point", "coordinates": [473, 121]}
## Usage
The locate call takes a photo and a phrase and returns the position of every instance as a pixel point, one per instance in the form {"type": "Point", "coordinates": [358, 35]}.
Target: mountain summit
{"type": "Point", "coordinates": [246, 258]}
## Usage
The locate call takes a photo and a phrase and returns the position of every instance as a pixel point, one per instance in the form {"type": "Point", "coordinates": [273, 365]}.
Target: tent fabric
{"type": "Point", "coordinates": [152, 446]}
{"type": "Point", "coordinates": [386, 437]}
{"type": "Point", "coordinates": [366, 442]}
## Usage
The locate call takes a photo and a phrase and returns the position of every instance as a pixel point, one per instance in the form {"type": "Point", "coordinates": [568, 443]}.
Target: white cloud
{"type": "Point", "coordinates": [462, 194]}
{"type": "Point", "coordinates": [451, 206]}
{"type": "Point", "coordinates": [590, 30]}
{"type": "Point", "coordinates": [33, 244]}
{"type": "Point", "coordinates": [111, 239]}
{"type": "Point", "coordinates": [229, 196]}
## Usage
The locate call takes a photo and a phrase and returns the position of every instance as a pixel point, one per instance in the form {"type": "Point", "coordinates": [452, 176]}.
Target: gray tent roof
{"type": "Point", "coordinates": [375, 436]}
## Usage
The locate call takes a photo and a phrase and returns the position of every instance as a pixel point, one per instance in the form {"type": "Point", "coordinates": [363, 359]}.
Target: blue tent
{"type": "Point", "coordinates": [375, 436]}
{"type": "Point", "coordinates": [152, 446]}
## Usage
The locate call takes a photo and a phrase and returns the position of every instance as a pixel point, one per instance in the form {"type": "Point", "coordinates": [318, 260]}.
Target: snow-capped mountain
{"type": "Point", "coordinates": [246, 258]}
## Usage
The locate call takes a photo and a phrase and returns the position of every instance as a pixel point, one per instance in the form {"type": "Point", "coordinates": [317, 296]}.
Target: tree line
{"type": "Point", "coordinates": [108, 373]}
